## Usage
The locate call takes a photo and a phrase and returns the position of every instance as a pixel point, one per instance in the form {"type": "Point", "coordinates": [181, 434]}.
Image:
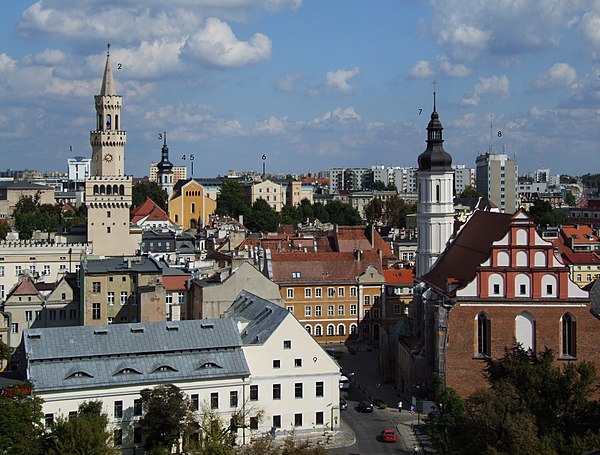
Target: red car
{"type": "Point", "coordinates": [388, 436]}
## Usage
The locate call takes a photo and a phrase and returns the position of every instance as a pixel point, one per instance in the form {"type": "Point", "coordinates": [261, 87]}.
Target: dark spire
{"type": "Point", "coordinates": [165, 165]}
{"type": "Point", "coordinates": [435, 158]}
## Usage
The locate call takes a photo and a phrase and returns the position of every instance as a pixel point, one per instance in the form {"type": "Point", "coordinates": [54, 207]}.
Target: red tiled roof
{"type": "Point", "coordinates": [334, 268]}
{"type": "Point", "coordinates": [471, 248]}
{"type": "Point", "coordinates": [399, 276]}
{"type": "Point", "coordinates": [175, 282]}
{"type": "Point", "coordinates": [150, 211]}
{"type": "Point", "coordinates": [579, 234]}
{"type": "Point", "coordinates": [580, 258]}
{"type": "Point", "coordinates": [26, 287]}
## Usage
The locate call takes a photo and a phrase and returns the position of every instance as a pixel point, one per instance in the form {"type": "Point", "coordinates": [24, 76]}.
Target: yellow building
{"type": "Point", "coordinates": [190, 207]}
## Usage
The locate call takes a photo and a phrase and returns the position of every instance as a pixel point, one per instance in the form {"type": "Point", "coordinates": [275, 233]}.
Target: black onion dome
{"type": "Point", "coordinates": [164, 164]}
{"type": "Point", "coordinates": [435, 158]}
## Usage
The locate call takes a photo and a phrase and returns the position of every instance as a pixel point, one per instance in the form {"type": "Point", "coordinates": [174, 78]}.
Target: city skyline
{"type": "Point", "coordinates": [310, 85]}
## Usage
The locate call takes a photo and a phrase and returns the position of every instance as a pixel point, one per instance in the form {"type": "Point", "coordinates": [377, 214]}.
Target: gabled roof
{"type": "Point", "coordinates": [25, 287]}
{"type": "Point", "coordinates": [580, 234]}
{"type": "Point", "coordinates": [580, 258]}
{"type": "Point", "coordinates": [261, 316]}
{"type": "Point", "coordinates": [471, 247]}
{"type": "Point", "coordinates": [149, 211]}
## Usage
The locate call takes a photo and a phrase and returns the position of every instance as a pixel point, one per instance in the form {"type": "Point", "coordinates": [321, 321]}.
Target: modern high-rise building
{"type": "Point", "coordinates": [496, 179]}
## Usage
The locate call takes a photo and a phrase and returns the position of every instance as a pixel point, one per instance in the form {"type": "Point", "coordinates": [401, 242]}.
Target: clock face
{"type": "Point", "coordinates": [108, 157]}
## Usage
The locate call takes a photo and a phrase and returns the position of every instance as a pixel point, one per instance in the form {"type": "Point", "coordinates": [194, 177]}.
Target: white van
{"type": "Point", "coordinates": [344, 383]}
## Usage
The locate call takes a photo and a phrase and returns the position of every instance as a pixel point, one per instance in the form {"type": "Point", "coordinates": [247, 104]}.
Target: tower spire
{"type": "Point", "coordinates": [108, 84]}
{"type": "Point", "coordinates": [434, 83]}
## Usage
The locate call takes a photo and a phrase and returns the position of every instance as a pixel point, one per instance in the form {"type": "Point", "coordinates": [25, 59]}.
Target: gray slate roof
{"type": "Point", "coordinates": [126, 354]}
{"type": "Point", "coordinates": [262, 316]}
{"type": "Point", "coordinates": [122, 265]}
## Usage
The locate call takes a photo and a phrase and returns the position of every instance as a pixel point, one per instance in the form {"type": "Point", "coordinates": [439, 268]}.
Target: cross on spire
{"type": "Point", "coordinates": [434, 83]}
{"type": "Point", "coordinates": [108, 49]}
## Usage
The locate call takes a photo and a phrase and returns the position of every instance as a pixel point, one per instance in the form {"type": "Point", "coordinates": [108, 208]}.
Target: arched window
{"type": "Point", "coordinates": [521, 259]}
{"type": "Point", "coordinates": [102, 189]}
{"type": "Point", "coordinates": [549, 286]}
{"type": "Point", "coordinates": [341, 329]}
{"type": "Point", "coordinates": [540, 259]}
{"type": "Point", "coordinates": [96, 189]}
{"type": "Point", "coordinates": [525, 330]}
{"type": "Point", "coordinates": [116, 122]}
{"type": "Point", "coordinates": [318, 330]}
{"type": "Point", "coordinates": [108, 189]}
{"type": "Point", "coordinates": [503, 259]}
{"type": "Point", "coordinates": [330, 330]}
{"type": "Point", "coordinates": [115, 189]}
{"type": "Point", "coordinates": [437, 192]}
{"type": "Point", "coordinates": [100, 122]}
{"type": "Point", "coordinates": [308, 329]}
{"type": "Point", "coordinates": [193, 207]}
{"type": "Point", "coordinates": [122, 190]}
{"type": "Point", "coordinates": [484, 335]}
{"type": "Point", "coordinates": [522, 285]}
{"type": "Point", "coordinates": [353, 329]}
{"type": "Point", "coordinates": [496, 285]}
{"type": "Point", "coordinates": [108, 119]}
{"type": "Point", "coordinates": [521, 237]}
{"type": "Point", "coordinates": [568, 336]}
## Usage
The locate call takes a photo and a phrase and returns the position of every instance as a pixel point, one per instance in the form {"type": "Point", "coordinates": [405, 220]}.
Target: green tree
{"type": "Point", "coordinates": [570, 199]}
{"type": "Point", "coordinates": [231, 200]}
{"type": "Point", "coordinates": [5, 353]}
{"type": "Point", "coordinates": [21, 430]}
{"type": "Point", "coordinates": [167, 416]}
{"type": "Point", "coordinates": [263, 217]}
{"type": "Point", "coordinates": [378, 185]}
{"type": "Point", "coordinates": [142, 190]}
{"type": "Point", "coordinates": [86, 433]}
{"type": "Point", "coordinates": [470, 193]}
{"type": "Point", "coordinates": [392, 187]}
{"type": "Point", "coordinates": [343, 214]}
{"type": "Point", "coordinates": [544, 215]}
{"type": "Point", "coordinates": [4, 229]}
{"type": "Point", "coordinates": [217, 438]}
{"type": "Point", "coordinates": [30, 215]}
{"type": "Point", "coordinates": [374, 210]}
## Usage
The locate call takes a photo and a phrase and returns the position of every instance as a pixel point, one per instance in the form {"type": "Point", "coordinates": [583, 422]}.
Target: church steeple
{"type": "Point", "coordinates": [108, 84]}
{"type": "Point", "coordinates": [165, 169]}
{"type": "Point", "coordinates": [435, 158]}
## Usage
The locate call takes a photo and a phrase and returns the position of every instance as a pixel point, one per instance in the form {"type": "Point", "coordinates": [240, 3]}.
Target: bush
{"type": "Point", "coordinates": [380, 404]}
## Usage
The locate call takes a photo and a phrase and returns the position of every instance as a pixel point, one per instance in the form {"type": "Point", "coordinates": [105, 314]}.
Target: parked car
{"type": "Point", "coordinates": [344, 383]}
{"type": "Point", "coordinates": [343, 404]}
{"type": "Point", "coordinates": [365, 406]}
{"type": "Point", "coordinates": [387, 436]}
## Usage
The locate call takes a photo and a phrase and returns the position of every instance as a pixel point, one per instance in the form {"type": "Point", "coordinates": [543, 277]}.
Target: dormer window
{"type": "Point", "coordinates": [164, 368]}
{"type": "Point", "coordinates": [127, 371]}
{"type": "Point", "coordinates": [209, 365]}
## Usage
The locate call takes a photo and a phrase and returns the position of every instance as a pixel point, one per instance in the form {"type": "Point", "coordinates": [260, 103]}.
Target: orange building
{"type": "Point", "coordinates": [190, 207]}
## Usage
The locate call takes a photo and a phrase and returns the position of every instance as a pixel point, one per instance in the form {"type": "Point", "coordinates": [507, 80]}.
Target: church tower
{"type": "Point", "coordinates": [435, 207]}
{"type": "Point", "coordinates": [165, 169]}
{"type": "Point", "coordinates": [108, 189]}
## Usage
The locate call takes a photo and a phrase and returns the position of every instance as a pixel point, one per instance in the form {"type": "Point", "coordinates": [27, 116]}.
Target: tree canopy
{"type": "Point", "coordinates": [142, 190]}
{"type": "Point", "coordinates": [21, 430]}
{"type": "Point", "coordinates": [544, 215]}
{"type": "Point", "coordinates": [470, 193]}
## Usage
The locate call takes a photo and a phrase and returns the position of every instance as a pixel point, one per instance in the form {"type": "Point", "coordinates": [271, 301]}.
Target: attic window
{"type": "Point", "coordinates": [172, 327]}
{"type": "Point", "coordinates": [79, 374]}
{"type": "Point", "coordinates": [164, 368]}
{"type": "Point", "coordinates": [35, 335]}
{"type": "Point", "coordinates": [137, 330]}
{"type": "Point", "coordinates": [295, 274]}
{"type": "Point", "coordinates": [100, 332]}
{"type": "Point", "coordinates": [207, 326]}
{"type": "Point", "coordinates": [127, 371]}
{"type": "Point", "coordinates": [210, 365]}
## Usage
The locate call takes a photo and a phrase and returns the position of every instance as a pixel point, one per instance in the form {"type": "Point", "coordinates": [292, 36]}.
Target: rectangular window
{"type": "Point", "coordinates": [290, 293]}
{"type": "Point", "coordinates": [522, 289]}
{"type": "Point", "coordinates": [308, 293]}
{"type": "Point", "coordinates": [169, 297]}
{"type": "Point", "coordinates": [298, 420]}
{"type": "Point", "coordinates": [496, 289]}
{"type": "Point", "coordinates": [367, 300]}
{"type": "Point", "coordinates": [277, 391]}
{"type": "Point", "coordinates": [297, 363]}
{"type": "Point", "coordinates": [376, 313]}
{"type": "Point", "coordinates": [18, 269]}
{"type": "Point", "coordinates": [233, 399]}
{"type": "Point", "coordinates": [367, 314]}
{"type": "Point", "coordinates": [195, 401]}
{"type": "Point", "coordinates": [340, 310]}
{"type": "Point", "coordinates": [290, 309]}
{"type": "Point", "coordinates": [72, 314]}
{"type": "Point", "coordinates": [330, 310]}
{"type": "Point", "coordinates": [319, 418]}
{"type": "Point", "coordinates": [52, 315]}
{"type": "Point", "coordinates": [111, 298]}
{"type": "Point", "coordinates": [352, 292]}
{"type": "Point", "coordinates": [123, 297]}
{"type": "Point", "coordinates": [287, 344]}
{"type": "Point", "coordinates": [96, 311]}
{"type": "Point", "coordinates": [108, 214]}
{"type": "Point", "coordinates": [118, 411]}
{"type": "Point", "coordinates": [376, 299]}
{"type": "Point", "coordinates": [254, 392]}
{"type": "Point", "coordinates": [397, 309]}
{"type": "Point", "coordinates": [353, 310]}
{"type": "Point", "coordinates": [319, 389]}
{"type": "Point", "coordinates": [277, 421]}
{"type": "Point", "coordinates": [137, 435]}
{"type": "Point", "coordinates": [307, 311]}
{"type": "Point", "coordinates": [214, 400]}
{"type": "Point", "coordinates": [254, 423]}
{"type": "Point", "coordinates": [330, 292]}
{"type": "Point", "coordinates": [137, 407]}
{"type": "Point", "coordinates": [276, 363]}
{"type": "Point", "coordinates": [549, 289]}
{"type": "Point", "coordinates": [49, 420]}
{"type": "Point", "coordinates": [28, 316]}
{"type": "Point", "coordinates": [96, 287]}
{"type": "Point", "coordinates": [62, 314]}
{"type": "Point", "coordinates": [318, 310]}
{"type": "Point", "coordinates": [298, 390]}
{"type": "Point", "coordinates": [118, 437]}
{"type": "Point", "coordinates": [318, 292]}
{"type": "Point", "coordinates": [1, 270]}
{"type": "Point", "coordinates": [181, 300]}
{"type": "Point", "coordinates": [340, 292]}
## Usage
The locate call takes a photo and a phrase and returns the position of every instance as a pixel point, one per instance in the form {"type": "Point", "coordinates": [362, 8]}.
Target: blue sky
{"type": "Point", "coordinates": [311, 84]}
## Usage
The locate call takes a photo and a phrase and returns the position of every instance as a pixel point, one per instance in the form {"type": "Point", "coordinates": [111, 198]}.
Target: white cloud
{"type": "Point", "coordinates": [48, 57]}
{"type": "Point", "coordinates": [339, 80]}
{"type": "Point", "coordinates": [271, 126]}
{"type": "Point", "coordinates": [288, 82]}
{"type": "Point", "coordinates": [452, 69]}
{"type": "Point", "coordinates": [421, 70]}
{"type": "Point", "coordinates": [558, 75]}
{"type": "Point", "coordinates": [590, 27]}
{"type": "Point", "coordinates": [495, 85]}
{"type": "Point", "coordinates": [338, 116]}
{"type": "Point", "coordinates": [468, 120]}
{"type": "Point", "coordinates": [6, 63]}
{"type": "Point", "coordinates": [217, 45]}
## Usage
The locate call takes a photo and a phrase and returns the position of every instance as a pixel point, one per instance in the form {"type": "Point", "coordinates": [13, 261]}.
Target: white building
{"type": "Point", "coordinates": [258, 361]}
{"type": "Point", "coordinates": [79, 168]}
{"type": "Point", "coordinates": [463, 177]}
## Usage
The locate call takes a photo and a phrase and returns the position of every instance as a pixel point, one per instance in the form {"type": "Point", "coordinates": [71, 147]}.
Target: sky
{"type": "Point", "coordinates": [304, 85]}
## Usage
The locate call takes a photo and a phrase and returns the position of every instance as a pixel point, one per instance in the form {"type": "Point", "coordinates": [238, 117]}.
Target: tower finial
{"type": "Point", "coordinates": [434, 83]}
{"type": "Point", "coordinates": [165, 138]}
{"type": "Point", "coordinates": [108, 49]}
